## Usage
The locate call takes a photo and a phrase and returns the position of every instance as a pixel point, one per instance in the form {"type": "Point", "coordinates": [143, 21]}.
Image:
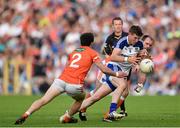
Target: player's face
{"type": "Point", "coordinates": [117, 26]}
{"type": "Point", "coordinates": [147, 43]}
{"type": "Point", "coordinates": [133, 38]}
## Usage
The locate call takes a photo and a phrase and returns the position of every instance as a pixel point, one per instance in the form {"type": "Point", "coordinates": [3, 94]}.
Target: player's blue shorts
{"type": "Point", "coordinates": [106, 78]}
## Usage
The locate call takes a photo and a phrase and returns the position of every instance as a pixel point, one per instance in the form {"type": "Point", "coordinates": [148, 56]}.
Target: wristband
{"type": "Point", "coordinates": [141, 85]}
{"type": "Point", "coordinates": [125, 59]}
{"type": "Point", "coordinates": [117, 74]}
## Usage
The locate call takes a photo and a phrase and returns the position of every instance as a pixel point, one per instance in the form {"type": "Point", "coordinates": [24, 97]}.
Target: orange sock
{"type": "Point", "coordinates": [25, 115]}
{"type": "Point", "coordinates": [106, 114]}
{"type": "Point", "coordinates": [120, 102]}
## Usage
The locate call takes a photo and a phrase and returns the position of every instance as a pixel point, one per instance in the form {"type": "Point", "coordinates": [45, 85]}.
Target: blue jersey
{"type": "Point", "coordinates": [127, 51]}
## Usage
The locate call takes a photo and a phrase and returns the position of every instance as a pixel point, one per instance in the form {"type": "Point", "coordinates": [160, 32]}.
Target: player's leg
{"type": "Point", "coordinates": [78, 94]}
{"type": "Point", "coordinates": [115, 97]}
{"type": "Point", "coordinates": [98, 85]}
{"type": "Point", "coordinates": [99, 94]}
{"type": "Point", "coordinates": [82, 113]}
{"type": "Point", "coordinates": [51, 93]}
{"type": "Point", "coordinates": [68, 116]}
{"type": "Point", "coordinates": [121, 103]}
{"type": "Point", "coordinates": [124, 95]}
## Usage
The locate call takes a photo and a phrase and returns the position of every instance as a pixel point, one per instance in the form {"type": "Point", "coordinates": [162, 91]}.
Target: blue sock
{"type": "Point", "coordinates": [113, 107]}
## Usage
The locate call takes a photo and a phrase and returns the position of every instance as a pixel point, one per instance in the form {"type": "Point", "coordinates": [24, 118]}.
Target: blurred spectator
{"type": "Point", "coordinates": [45, 31]}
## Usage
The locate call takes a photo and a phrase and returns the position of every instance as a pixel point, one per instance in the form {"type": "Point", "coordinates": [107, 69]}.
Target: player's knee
{"type": "Point", "coordinates": [126, 93]}
{"type": "Point", "coordinates": [79, 97]}
{"type": "Point", "coordinates": [122, 87]}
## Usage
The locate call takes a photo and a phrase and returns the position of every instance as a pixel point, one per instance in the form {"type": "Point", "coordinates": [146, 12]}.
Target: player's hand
{"type": "Point", "coordinates": [121, 74]}
{"type": "Point", "coordinates": [149, 57]}
{"type": "Point", "coordinates": [138, 88]}
{"type": "Point", "coordinates": [134, 60]}
{"type": "Point", "coordinates": [143, 53]}
{"type": "Point", "coordinates": [136, 68]}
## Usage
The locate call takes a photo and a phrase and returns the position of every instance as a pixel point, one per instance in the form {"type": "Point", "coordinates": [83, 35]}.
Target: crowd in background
{"type": "Point", "coordinates": [46, 31]}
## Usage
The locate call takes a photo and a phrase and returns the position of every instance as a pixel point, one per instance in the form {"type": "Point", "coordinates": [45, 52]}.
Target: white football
{"type": "Point", "coordinates": [146, 66]}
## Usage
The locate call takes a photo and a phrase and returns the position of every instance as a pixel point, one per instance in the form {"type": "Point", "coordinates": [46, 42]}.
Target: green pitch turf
{"type": "Point", "coordinates": [143, 111]}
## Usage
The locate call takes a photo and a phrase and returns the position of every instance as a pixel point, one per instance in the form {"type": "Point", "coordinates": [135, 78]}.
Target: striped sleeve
{"type": "Point", "coordinates": [121, 43]}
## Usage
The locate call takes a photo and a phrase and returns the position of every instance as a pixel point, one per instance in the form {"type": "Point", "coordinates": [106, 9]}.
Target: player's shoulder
{"type": "Point", "coordinates": [139, 43]}
{"type": "Point", "coordinates": [124, 34]}
{"type": "Point", "coordinates": [123, 40]}
{"type": "Point", "coordinates": [111, 35]}
{"type": "Point", "coordinates": [90, 50]}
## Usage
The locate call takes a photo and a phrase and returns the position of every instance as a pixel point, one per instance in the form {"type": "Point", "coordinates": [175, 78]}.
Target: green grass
{"type": "Point", "coordinates": [145, 111]}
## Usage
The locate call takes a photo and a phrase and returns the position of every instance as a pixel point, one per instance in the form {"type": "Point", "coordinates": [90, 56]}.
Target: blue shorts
{"type": "Point", "coordinates": [106, 78]}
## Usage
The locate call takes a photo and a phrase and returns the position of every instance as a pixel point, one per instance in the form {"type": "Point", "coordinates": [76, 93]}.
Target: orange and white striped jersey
{"type": "Point", "coordinates": [79, 63]}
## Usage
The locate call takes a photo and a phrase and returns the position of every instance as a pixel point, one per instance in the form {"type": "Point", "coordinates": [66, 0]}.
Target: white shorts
{"type": "Point", "coordinates": [76, 91]}
{"type": "Point", "coordinates": [100, 74]}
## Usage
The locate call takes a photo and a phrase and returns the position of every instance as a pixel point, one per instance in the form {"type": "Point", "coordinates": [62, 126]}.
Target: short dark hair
{"type": "Point", "coordinates": [116, 18]}
{"type": "Point", "coordinates": [136, 30]}
{"type": "Point", "coordinates": [148, 36]}
{"type": "Point", "coordinates": [86, 39]}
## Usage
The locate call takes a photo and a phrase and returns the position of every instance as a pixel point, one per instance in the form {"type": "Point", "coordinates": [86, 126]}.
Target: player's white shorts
{"type": "Point", "coordinates": [100, 74]}
{"type": "Point", "coordinates": [76, 91]}
{"type": "Point", "coordinates": [106, 79]}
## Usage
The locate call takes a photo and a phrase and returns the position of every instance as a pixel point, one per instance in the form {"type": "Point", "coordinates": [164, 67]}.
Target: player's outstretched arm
{"type": "Point", "coordinates": [108, 71]}
{"type": "Point", "coordinates": [116, 56]}
{"type": "Point", "coordinates": [141, 81]}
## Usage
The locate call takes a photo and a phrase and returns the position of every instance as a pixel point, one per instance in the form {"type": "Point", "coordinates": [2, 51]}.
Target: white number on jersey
{"type": "Point", "coordinates": [77, 57]}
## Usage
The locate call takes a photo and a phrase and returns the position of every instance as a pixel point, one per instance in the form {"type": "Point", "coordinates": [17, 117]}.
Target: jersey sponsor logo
{"type": "Point", "coordinates": [130, 50]}
{"type": "Point", "coordinates": [80, 49]}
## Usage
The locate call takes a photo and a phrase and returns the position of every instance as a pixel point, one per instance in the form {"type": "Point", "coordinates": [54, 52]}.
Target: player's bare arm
{"type": "Point", "coordinates": [116, 56]}
{"type": "Point", "coordinates": [108, 71]}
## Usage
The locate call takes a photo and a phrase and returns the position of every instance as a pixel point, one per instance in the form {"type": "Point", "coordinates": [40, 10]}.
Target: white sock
{"type": "Point", "coordinates": [122, 98]}
{"type": "Point", "coordinates": [91, 92]}
{"type": "Point", "coordinates": [28, 113]}
{"type": "Point", "coordinates": [67, 114]}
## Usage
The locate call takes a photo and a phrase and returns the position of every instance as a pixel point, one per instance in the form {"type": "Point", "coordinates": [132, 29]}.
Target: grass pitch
{"type": "Point", "coordinates": [143, 111]}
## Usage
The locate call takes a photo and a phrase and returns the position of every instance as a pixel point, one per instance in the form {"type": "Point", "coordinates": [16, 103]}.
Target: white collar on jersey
{"type": "Point", "coordinates": [128, 41]}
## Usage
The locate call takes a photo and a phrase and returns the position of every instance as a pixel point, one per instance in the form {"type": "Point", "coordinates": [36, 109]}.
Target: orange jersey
{"type": "Point", "coordinates": [79, 63]}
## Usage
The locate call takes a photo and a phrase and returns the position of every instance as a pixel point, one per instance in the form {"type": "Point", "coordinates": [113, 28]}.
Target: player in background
{"type": "Point", "coordinates": [124, 56]}
{"type": "Point", "coordinates": [112, 39]}
{"type": "Point", "coordinates": [72, 79]}
{"type": "Point", "coordinates": [148, 42]}
{"type": "Point", "coordinates": [110, 43]}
